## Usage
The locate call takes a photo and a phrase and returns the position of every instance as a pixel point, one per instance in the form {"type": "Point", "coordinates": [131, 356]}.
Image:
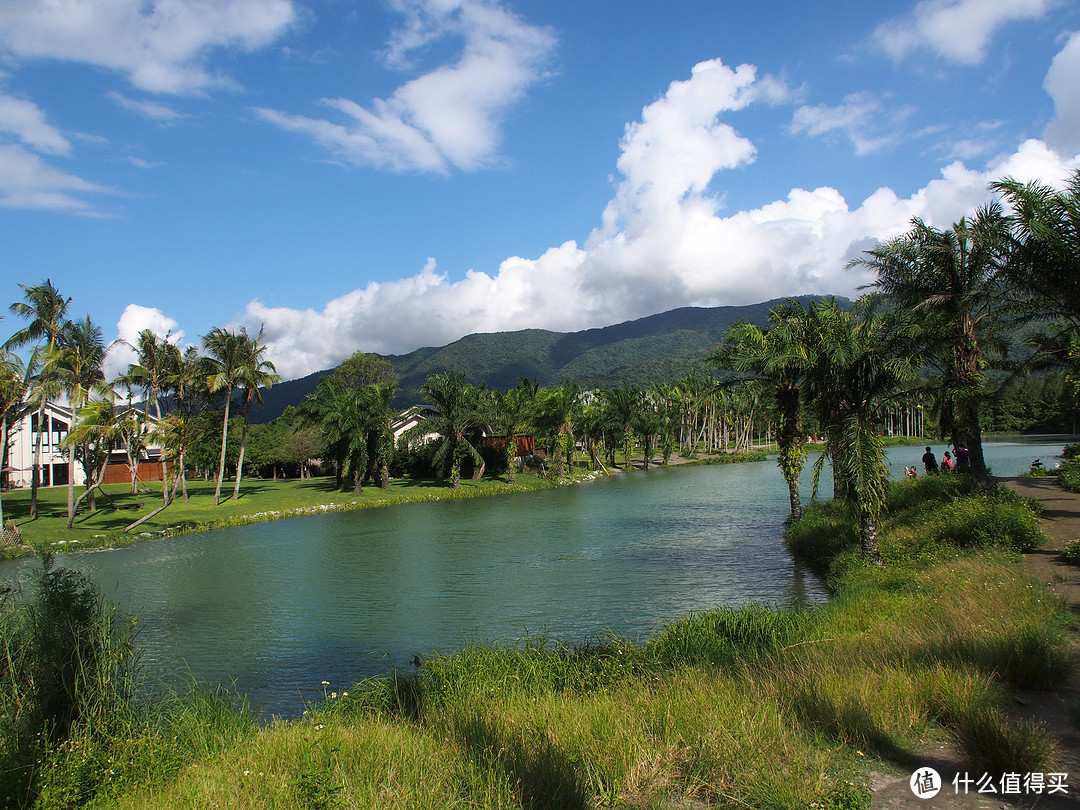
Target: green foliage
{"type": "Point", "coordinates": [67, 672]}
{"type": "Point", "coordinates": [1069, 475]}
{"type": "Point", "coordinates": [1071, 552]}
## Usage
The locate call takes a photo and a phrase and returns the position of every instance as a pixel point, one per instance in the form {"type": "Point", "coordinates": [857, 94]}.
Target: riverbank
{"type": "Point", "coordinates": [260, 501]}
{"type": "Point", "coordinates": [755, 707]}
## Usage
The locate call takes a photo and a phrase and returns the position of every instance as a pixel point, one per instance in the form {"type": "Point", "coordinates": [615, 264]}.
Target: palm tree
{"type": "Point", "coordinates": [255, 373]}
{"type": "Point", "coordinates": [864, 361]}
{"type": "Point", "coordinates": [558, 410]}
{"type": "Point", "coordinates": [96, 429]}
{"type": "Point", "coordinates": [227, 353]}
{"type": "Point", "coordinates": [783, 355]}
{"type": "Point", "coordinates": [1046, 262]}
{"type": "Point", "coordinates": [156, 365]}
{"type": "Point", "coordinates": [624, 405]}
{"type": "Point", "coordinates": [13, 385]}
{"type": "Point", "coordinates": [953, 279]}
{"type": "Point", "coordinates": [458, 417]}
{"type": "Point", "coordinates": [45, 308]}
{"type": "Point", "coordinates": [78, 362]}
{"type": "Point", "coordinates": [510, 414]}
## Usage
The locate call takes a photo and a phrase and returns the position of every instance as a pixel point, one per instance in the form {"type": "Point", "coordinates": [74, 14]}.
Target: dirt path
{"type": "Point", "coordinates": [1061, 520]}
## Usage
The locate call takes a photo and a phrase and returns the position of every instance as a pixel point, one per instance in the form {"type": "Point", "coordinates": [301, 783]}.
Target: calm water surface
{"type": "Point", "coordinates": [277, 608]}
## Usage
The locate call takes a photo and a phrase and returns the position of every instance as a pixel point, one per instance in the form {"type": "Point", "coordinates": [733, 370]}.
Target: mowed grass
{"type": "Point", "coordinates": [259, 500]}
{"type": "Point", "coordinates": [750, 707]}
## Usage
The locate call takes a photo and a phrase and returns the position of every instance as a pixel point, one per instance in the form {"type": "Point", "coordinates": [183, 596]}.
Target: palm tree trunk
{"type": "Point", "coordinates": [35, 468]}
{"type": "Point", "coordinates": [868, 538]}
{"type": "Point", "coordinates": [511, 457]}
{"type": "Point", "coordinates": [240, 463]}
{"type": "Point", "coordinates": [224, 438]}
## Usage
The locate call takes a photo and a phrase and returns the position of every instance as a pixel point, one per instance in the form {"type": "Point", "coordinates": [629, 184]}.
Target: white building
{"type": "Point", "coordinates": [53, 464]}
{"type": "Point", "coordinates": [54, 461]}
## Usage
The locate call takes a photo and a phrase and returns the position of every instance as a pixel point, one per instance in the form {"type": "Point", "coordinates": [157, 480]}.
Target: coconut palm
{"type": "Point", "coordinates": [254, 374]}
{"type": "Point", "coordinates": [45, 309]}
{"type": "Point", "coordinates": [783, 355]}
{"type": "Point", "coordinates": [96, 429]}
{"type": "Point", "coordinates": [227, 352]}
{"type": "Point", "coordinates": [78, 363]}
{"type": "Point", "coordinates": [155, 366]}
{"type": "Point", "coordinates": [458, 417]}
{"type": "Point", "coordinates": [952, 279]}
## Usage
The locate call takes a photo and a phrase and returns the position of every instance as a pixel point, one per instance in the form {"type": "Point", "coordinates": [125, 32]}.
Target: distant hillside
{"type": "Point", "coordinates": [658, 348]}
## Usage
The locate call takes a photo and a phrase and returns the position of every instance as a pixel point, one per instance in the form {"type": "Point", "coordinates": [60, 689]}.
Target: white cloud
{"type": "Point", "coordinates": [662, 242]}
{"type": "Point", "coordinates": [450, 116]}
{"type": "Point", "coordinates": [153, 110]}
{"type": "Point", "coordinates": [859, 118]}
{"type": "Point", "coordinates": [134, 319]}
{"type": "Point", "coordinates": [24, 120]}
{"type": "Point", "coordinates": [957, 30]}
{"type": "Point", "coordinates": [161, 45]}
{"type": "Point", "coordinates": [26, 181]}
{"type": "Point", "coordinates": [1063, 133]}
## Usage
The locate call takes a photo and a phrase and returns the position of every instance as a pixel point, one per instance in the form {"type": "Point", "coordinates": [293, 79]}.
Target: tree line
{"type": "Point", "coordinates": [955, 319]}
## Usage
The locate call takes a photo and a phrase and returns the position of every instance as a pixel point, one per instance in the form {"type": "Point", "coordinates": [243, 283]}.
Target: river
{"type": "Point", "coordinates": [275, 609]}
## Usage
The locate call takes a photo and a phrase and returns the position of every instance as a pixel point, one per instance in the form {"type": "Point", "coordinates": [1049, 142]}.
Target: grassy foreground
{"type": "Point", "coordinates": [756, 707]}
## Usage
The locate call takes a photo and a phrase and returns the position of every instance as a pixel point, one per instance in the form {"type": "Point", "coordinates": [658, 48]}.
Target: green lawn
{"type": "Point", "coordinates": [259, 500]}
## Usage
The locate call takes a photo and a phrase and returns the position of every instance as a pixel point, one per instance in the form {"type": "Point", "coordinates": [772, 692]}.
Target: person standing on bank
{"type": "Point", "coordinates": [929, 461]}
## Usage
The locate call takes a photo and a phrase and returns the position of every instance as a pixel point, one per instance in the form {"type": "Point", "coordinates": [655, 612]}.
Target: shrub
{"type": "Point", "coordinates": [1069, 475]}
{"type": "Point", "coordinates": [67, 664]}
{"type": "Point", "coordinates": [1071, 552]}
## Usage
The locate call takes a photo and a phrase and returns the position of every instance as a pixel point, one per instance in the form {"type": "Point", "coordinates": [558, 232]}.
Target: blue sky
{"type": "Point", "coordinates": [399, 173]}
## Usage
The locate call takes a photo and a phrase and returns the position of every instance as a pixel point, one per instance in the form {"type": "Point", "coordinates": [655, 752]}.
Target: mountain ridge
{"type": "Point", "coordinates": [654, 348]}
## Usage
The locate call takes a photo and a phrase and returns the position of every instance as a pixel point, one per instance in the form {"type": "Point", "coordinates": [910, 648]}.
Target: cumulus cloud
{"type": "Point", "coordinates": [161, 45]}
{"type": "Point", "coordinates": [448, 117]}
{"type": "Point", "coordinates": [957, 30]}
{"type": "Point", "coordinates": [134, 319]}
{"type": "Point", "coordinates": [662, 242]}
{"type": "Point", "coordinates": [860, 117]}
{"type": "Point", "coordinates": [1063, 133]}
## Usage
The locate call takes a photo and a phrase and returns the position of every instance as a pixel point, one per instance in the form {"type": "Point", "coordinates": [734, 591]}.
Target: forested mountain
{"type": "Point", "coordinates": [657, 348]}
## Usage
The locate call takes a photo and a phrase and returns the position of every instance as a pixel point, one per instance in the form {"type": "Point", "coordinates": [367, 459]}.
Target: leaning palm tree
{"type": "Point", "coordinates": [226, 354]}
{"type": "Point", "coordinates": [783, 355]}
{"type": "Point", "coordinates": [458, 417]}
{"type": "Point", "coordinates": [78, 362]}
{"type": "Point", "coordinates": [255, 373]}
{"type": "Point", "coordinates": [953, 280]}
{"type": "Point", "coordinates": [96, 429]}
{"type": "Point", "coordinates": [45, 309]}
